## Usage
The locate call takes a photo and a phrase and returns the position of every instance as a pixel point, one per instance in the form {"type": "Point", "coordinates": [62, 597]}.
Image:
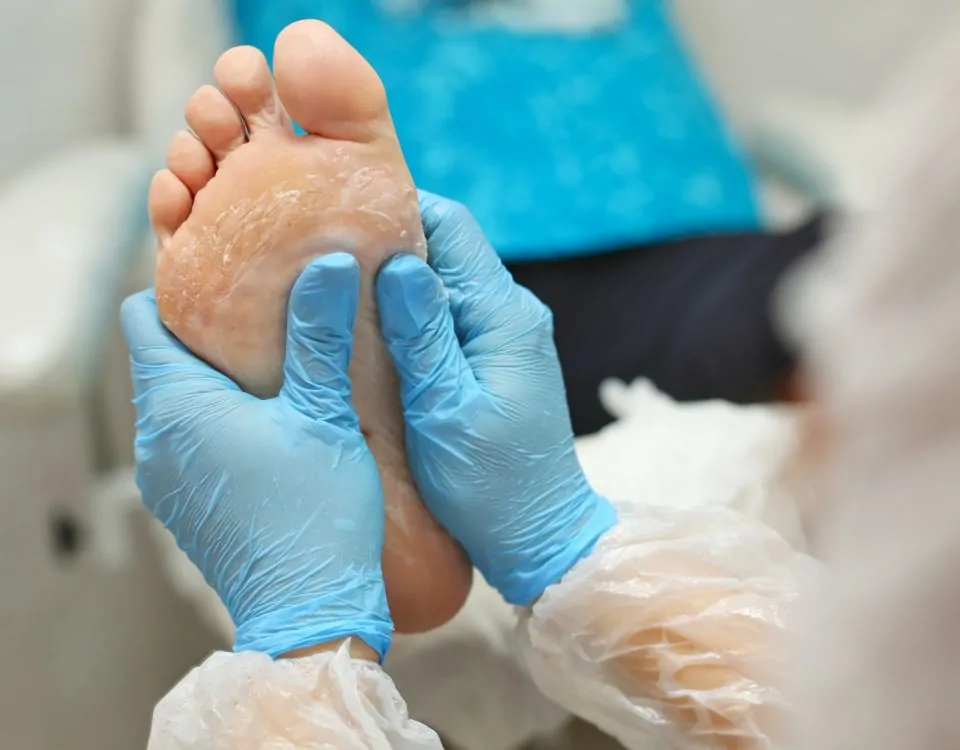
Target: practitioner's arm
{"type": "Point", "coordinates": [278, 502]}
{"type": "Point", "coordinates": [649, 621]}
{"type": "Point", "coordinates": [676, 626]}
{"type": "Point", "coordinates": [334, 695]}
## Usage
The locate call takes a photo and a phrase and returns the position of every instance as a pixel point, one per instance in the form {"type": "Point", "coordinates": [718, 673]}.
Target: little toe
{"type": "Point", "coordinates": [327, 86]}
{"type": "Point", "coordinates": [190, 161]}
{"type": "Point", "coordinates": [242, 73]}
{"type": "Point", "coordinates": [169, 204]}
{"type": "Point", "coordinates": [216, 121]}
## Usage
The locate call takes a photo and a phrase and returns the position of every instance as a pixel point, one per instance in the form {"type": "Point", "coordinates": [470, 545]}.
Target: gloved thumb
{"type": "Point", "coordinates": [320, 316]}
{"type": "Point", "coordinates": [418, 330]}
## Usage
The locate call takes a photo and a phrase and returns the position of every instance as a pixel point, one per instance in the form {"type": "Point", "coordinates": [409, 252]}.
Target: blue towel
{"type": "Point", "coordinates": [560, 145]}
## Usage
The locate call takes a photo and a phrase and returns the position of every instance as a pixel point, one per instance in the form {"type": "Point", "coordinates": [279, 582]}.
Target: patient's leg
{"type": "Point", "coordinates": [246, 204]}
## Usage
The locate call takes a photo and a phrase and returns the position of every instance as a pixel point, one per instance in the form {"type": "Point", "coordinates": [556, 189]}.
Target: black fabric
{"type": "Point", "coordinates": [692, 316]}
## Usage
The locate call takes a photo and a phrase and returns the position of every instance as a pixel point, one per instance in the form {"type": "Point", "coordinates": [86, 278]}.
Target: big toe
{"type": "Point", "coordinates": [326, 85]}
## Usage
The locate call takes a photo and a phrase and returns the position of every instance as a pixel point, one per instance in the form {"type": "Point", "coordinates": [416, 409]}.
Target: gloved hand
{"type": "Point", "coordinates": [277, 501]}
{"type": "Point", "coordinates": [488, 429]}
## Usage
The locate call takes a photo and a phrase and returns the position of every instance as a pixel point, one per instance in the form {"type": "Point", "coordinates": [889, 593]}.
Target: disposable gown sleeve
{"type": "Point", "coordinates": [675, 632]}
{"type": "Point", "coordinates": [248, 701]}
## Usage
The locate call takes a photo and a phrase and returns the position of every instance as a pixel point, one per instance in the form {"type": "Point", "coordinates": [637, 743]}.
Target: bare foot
{"type": "Point", "coordinates": [246, 204]}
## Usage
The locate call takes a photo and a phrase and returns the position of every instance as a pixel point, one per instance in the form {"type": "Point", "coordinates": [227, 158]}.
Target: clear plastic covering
{"type": "Point", "coordinates": [675, 632]}
{"type": "Point", "coordinates": [248, 701]}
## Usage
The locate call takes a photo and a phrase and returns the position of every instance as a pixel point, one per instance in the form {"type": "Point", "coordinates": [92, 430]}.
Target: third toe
{"type": "Point", "coordinates": [215, 121]}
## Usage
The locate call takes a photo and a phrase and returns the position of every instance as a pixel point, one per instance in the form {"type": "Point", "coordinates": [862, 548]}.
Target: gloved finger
{"type": "Point", "coordinates": [157, 358]}
{"type": "Point", "coordinates": [320, 317]}
{"type": "Point", "coordinates": [483, 294]}
{"type": "Point", "coordinates": [418, 329]}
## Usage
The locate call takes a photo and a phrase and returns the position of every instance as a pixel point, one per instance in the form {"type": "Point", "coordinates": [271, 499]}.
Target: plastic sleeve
{"type": "Point", "coordinates": [247, 701]}
{"type": "Point", "coordinates": [676, 631]}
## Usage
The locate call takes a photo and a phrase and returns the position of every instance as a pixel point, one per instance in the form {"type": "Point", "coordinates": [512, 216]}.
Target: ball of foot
{"type": "Point", "coordinates": [245, 204]}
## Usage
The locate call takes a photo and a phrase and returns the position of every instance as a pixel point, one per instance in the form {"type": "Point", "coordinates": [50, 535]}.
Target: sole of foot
{"type": "Point", "coordinates": [245, 204]}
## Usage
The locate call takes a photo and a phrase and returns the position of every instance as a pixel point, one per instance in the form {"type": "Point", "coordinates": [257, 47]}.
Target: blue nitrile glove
{"type": "Point", "coordinates": [488, 429]}
{"type": "Point", "coordinates": [277, 501]}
